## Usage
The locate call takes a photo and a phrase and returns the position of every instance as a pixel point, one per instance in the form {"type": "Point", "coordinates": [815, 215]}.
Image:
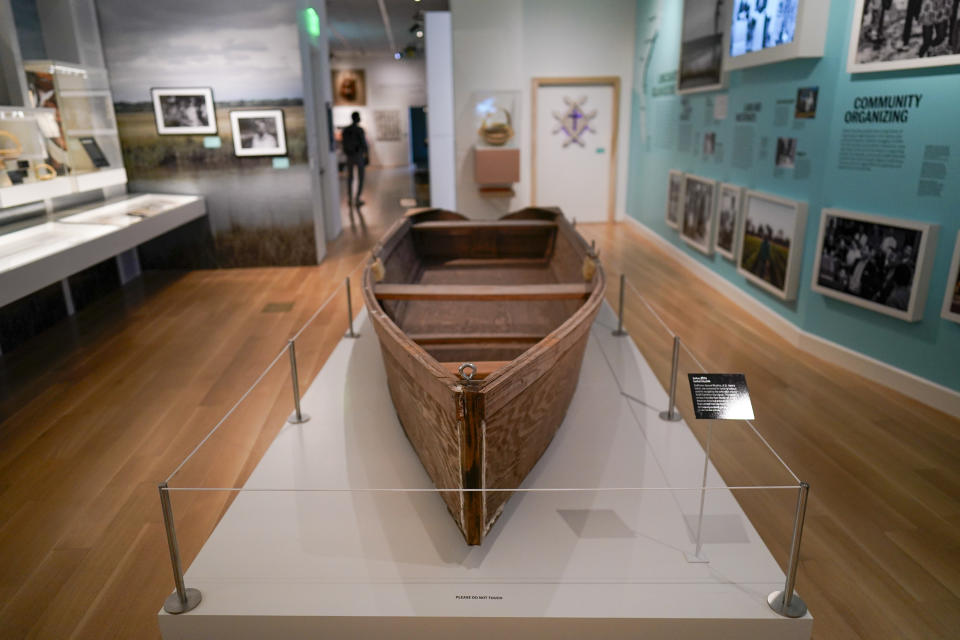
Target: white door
{"type": "Point", "coordinates": [574, 135]}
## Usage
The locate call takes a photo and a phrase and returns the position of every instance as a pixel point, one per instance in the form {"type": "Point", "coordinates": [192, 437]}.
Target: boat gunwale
{"type": "Point", "coordinates": [492, 384]}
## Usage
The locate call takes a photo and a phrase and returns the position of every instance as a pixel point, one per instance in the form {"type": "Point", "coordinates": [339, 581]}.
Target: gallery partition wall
{"type": "Point", "coordinates": [828, 113]}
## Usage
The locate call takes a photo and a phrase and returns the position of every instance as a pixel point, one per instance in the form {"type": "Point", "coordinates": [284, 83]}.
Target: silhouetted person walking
{"type": "Point", "coordinates": [358, 156]}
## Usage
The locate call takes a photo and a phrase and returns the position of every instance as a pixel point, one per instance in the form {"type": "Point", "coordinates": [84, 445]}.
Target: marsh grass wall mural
{"type": "Point", "coordinates": [247, 54]}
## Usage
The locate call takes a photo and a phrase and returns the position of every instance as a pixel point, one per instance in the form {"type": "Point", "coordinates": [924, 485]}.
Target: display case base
{"type": "Point", "coordinates": [368, 560]}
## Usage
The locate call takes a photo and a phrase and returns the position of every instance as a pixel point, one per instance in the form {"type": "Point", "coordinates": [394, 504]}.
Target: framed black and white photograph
{"type": "Point", "coordinates": [786, 157]}
{"type": "Point", "coordinates": [701, 47]}
{"type": "Point", "coordinates": [951, 299]}
{"type": "Point", "coordinates": [258, 133]}
{"type": "Point", "coordinates": [188, 111]}
{"type": "Point", "coordinates": [709, 143]}
{"type": "Point", "coordinates": [674, 194]}
{"type": "Point", "coordinates": [771, 243]}
{"type": "Point", "coordinates": [699, 200]}
{"type": "Point", "coordinates": [903, 34]}
{"type": "Point", "coordinates": [879, 263]}
{"type": "Point", "coordinates": [729, 205]}
{"type": "Point", "coordinates": [806, 108]}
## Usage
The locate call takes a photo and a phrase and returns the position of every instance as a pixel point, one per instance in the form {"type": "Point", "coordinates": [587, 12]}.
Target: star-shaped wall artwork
{"type": "Point", "coordinates": [574, 121]}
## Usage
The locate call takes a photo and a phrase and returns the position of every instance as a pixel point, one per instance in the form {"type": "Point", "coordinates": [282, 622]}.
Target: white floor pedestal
{"type": "Point", "coordinates": [558, 564]}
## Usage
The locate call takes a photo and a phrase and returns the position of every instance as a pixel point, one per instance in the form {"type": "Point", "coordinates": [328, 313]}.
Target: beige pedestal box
{"type": "Point", "coordinates": [496, 166]}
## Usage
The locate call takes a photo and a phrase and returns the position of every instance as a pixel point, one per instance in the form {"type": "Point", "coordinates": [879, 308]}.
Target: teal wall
{"type": "Point", "coordinates": [667, 130]}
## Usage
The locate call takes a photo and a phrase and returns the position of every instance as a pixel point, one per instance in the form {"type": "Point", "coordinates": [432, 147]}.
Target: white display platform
{"type": "Point", "coordinates": [41, 255]}
{"type": "Point", "coordinates": [557, 564]}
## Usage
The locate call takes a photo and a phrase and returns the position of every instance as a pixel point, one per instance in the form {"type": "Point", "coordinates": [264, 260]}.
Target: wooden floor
{"type": "Point", "coordinates": [96, 411]}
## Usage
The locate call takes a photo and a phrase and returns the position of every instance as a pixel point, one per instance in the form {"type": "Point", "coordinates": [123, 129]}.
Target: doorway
{"type": "Point", "coordinates": [419, 155]}
{"type": "Point", "coordinates": [574, 146]}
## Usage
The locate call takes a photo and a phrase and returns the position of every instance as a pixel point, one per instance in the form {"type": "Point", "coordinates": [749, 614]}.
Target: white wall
{"type": "Point", "coordinates": [500, 45]}
{"type": "Point", "coordinates": [440, 120]}
{"type": "Point", "coordinates": [391, 84]}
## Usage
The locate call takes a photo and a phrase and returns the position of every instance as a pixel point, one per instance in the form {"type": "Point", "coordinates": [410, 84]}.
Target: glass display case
{"type": "Point", "coordinates": [24, 134]}
{"type": "Point", "coordinates": [28, 148]}
{"type": "Point", "coordinates": [81, 100]}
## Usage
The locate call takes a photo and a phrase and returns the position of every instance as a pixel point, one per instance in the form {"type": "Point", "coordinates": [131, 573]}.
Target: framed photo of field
{"type": "Point", "coordinates": [907, 34]}
{"type": "Point", "coordinates": [951, 299]}
{"type": "Point", "coordinates": [771, 243]}
{"type": "Point", "coordinates": [729, 206]}
{"type": "Point", "coordinates": [674, 198]}
{"type": "Point", "coordinates": [187, 111]}
{"type": "Point", "coordinates": [699, 203]}
{"type": "Point", "coordinates": [878, 263]}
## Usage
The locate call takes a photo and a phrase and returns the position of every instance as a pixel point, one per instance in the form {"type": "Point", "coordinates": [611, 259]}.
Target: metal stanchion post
{"type": "Point", "coordinates": [671, 414]}
{"type": "Point", "coordinates": [350, 332]}
{"type": "Point", "coordinates": [697, 554]}
{"type": "Point", "coordinates": [786, 602]}
{"type": "Point", "coordinates": [183, 599]}
{"type": "Point", "coordinates": [298, 416]}
{"type": "Point", "coordinates": [620, 331]}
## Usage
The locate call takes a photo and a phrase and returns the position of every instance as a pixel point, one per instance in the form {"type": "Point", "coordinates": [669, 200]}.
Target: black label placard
{"type": "Point", "coordinates": [720, 396]}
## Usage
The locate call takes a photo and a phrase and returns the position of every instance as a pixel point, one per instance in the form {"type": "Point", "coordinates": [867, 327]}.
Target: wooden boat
{"type": "Point", "coordinates": [482, 327]}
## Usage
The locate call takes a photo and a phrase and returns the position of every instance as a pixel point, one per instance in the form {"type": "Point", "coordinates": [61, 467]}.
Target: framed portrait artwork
{"type": "Point", "coordinates": [878, 263]}
{"type": "Point", "coordinates": [951, 299]}
{"type": "Point", "coordinates": [806, 105]}
{"type": "Point", "coordinates": [906, 34]}
{"type": "Point", "coordinates": [349, 87]}
{"type": "Point", "coordinates": [258, 133]}
{"type": "Point", "coordinates": [674, 195]}
{"type": "Point", "coordinates": [729, 206]}
{"type": "Point", "coordinates": [771, 243]}
{"type": "Point", "coordinates": [699, 200]}
{"type": "Point", "coordinates": [187, 111]}
{"type": "Point", "coordinates": [701, 46]}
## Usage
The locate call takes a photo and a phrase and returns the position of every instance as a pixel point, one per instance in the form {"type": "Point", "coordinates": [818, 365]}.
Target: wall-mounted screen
{"type": "Point", "coordinates": [767, 31]}
{"type": "Point", "coordinates": [762, 24]}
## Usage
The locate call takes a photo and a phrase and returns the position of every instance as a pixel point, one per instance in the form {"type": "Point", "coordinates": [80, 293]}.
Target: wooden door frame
{"type": "Point", "coordinates": [612, 81]}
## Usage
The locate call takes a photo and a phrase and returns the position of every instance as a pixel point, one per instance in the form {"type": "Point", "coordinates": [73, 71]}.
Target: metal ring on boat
{"type": "Point", "coordinates": [473, 370]}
